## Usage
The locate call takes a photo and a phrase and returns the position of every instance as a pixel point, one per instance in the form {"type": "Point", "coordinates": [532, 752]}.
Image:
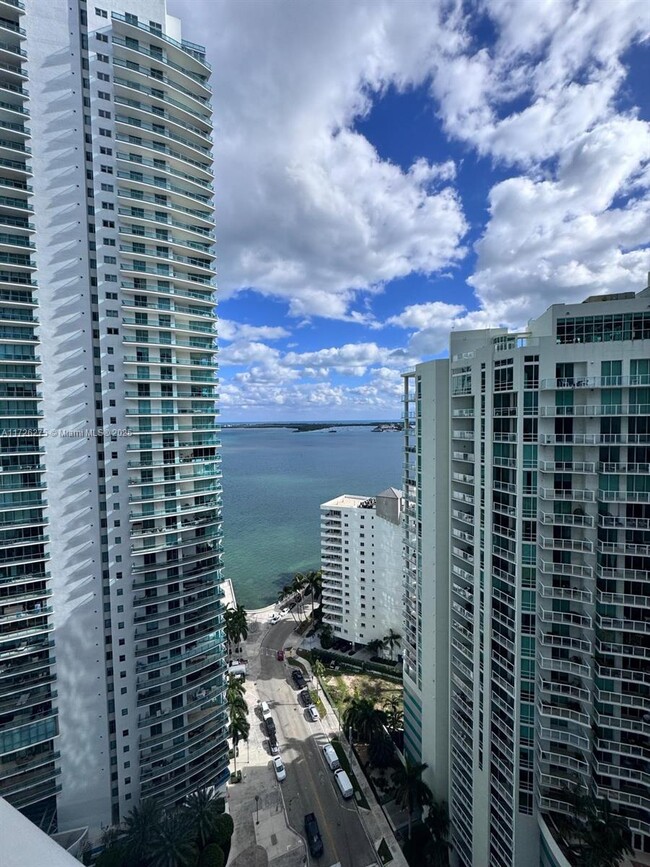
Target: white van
{"type": "Point", "coordinates": [265, 709]}
{"type": "Point", "coordinates": [330, 757]}
{"type": "Point", "coordinates": [344, 784]}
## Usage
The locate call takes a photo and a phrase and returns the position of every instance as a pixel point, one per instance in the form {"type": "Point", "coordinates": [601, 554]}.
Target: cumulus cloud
{"type": "Point", "coordinates": [308, 210]}
{"type": "Point", "coordinates": [230, 330]}
{"type": "Point", "coordinates": [560, 239]}
{"type": "Point", "coordinates": [299, 383]}
{"type": "Point", "coordinates": [311, 214]}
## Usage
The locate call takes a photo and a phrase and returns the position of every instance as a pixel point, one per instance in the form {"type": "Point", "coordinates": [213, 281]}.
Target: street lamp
{"type": "Point", "coordinates": [257, 804]}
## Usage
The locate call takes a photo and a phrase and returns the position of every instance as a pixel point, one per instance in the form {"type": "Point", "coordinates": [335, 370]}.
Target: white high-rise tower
{"type": "Point", "coordinates": [111, 643]}
{"type": "Point", "coordinates": [528, 564]}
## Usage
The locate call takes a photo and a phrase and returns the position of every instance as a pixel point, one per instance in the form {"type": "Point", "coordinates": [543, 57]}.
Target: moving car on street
{"type": "Point", "coordinates": [314, 839]}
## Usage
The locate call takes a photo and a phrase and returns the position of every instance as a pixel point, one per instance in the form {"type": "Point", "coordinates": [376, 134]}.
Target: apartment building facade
{"type": "Point", "coordinates": [548, 614]}
{"type": "Point", "coordinates": [111, 642]}
{"type": "Point", "coordinates": [361, 565]}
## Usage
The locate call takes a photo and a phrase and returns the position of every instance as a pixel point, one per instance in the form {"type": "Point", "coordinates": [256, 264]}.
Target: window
{"type": "Point", "coordinates": [108, 206]}
{"type": "Point", "coordinates": [105, 132]}
{"type": "Point", "coordinates": [103, 94]}
{"type": "Point", "coordinates": [102, 37]}
{"type": "Point", "coordinates": [101, 12]}
{"type": "Point", "coordinates": [105, 114]}
{"type": "Point", "coordinates": [110, 260]}
{"type": "Point", "coordinates": [108, 224]}
{"type": "Point", "coordinates": [106, 151]}
{"type": "Point", "coordinates": [103, 58]}
{"type": "Point", "coordinates": [103, 76]}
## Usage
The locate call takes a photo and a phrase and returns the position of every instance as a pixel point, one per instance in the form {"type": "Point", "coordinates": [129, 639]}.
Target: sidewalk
{"type": "Point", "coordinates": [261, 835]}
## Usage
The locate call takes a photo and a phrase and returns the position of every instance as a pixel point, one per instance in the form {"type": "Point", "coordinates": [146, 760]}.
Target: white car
{"type": "Point", "coordinates": [278, 767]}
{"type": "Point", "coordinates": [312, 710]}
{"type": "Point", "coordinates": [275, 618]}
{"type": "Point", "coordinates": [284, 612]}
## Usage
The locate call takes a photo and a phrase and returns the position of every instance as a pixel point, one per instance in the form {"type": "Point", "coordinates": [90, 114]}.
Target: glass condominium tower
{"type": "Point", "coordinates": [111, 641]}
{"type": "Point", "coordinates": [528, 551]}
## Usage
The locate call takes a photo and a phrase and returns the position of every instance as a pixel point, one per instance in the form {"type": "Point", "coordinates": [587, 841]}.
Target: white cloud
{"type": "Point", "coordinates": [231, 331]}
{"type": "Point", "coordinates": [558, 61]}
{"type": "Point", "coordinates": [431, 323]}
{"type": "Point", "coordinates": [308, 211]}
{"type": "Point", "coordinates": [561, 239]}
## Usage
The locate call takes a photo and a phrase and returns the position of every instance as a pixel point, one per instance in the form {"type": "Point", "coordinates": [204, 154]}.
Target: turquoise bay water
{"type": "Point", "coordinates": [274, 480]}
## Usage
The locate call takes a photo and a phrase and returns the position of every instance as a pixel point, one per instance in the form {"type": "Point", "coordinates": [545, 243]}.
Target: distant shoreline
{"type": "Point", "coordinates": [300, 426]}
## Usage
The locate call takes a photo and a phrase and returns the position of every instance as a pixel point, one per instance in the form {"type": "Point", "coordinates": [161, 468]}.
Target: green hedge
{"type": "Point", "coordinates": [356, 665]}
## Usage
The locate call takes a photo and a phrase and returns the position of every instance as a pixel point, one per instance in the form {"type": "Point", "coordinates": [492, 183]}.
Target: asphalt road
{"type": "Point", "coordinates": [310, 785]}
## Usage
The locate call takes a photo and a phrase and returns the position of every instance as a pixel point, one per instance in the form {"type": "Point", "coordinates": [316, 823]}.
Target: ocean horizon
{"type": "Point", "coordinates": [274, 481]}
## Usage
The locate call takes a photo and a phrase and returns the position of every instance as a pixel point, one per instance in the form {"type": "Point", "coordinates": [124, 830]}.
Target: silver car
{"type": "Point", "coordinates": [278, 767]}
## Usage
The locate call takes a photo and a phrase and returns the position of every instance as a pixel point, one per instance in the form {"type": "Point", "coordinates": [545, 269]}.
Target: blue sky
{"type": "Point", "coordinates": [389, 170]}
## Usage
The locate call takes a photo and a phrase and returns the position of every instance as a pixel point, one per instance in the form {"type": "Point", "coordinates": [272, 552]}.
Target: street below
{"type": "Point", "coordinates": [310, 785]}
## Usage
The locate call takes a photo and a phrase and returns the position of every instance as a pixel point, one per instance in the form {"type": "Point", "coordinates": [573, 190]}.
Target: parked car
{"type": "Point", "coordinates": [298, 677]}
{"type": "Point", "coordinates": [278, 767]}
{"type": "Point", "coordinates": [274, 749]}
{"type": "Point", "coordinates": [312, 710]}
{"type": "Point", "coordinates": [314, 839]}
{"type": "Point", "coordinates": [274, 618]}
{"type": "Point", "coordinates": [280, 655]}
{"type": "Point", "coordinates": [304, 697]}
{"type": "Point", "coordinates": [284, 611]}
{"type": "Point", "coordinates": [331, 758]}
{"type": "Point", "coordinates": [265, 709]}
{"type": "Point", "coordinates": [269, 725]}
{"type": "Point", "coordinates": [343, 782]}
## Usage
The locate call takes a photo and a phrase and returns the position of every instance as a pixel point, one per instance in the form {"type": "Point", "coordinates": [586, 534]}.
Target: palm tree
{"type": "Point", "coordinates": [313, 583]}
{"type": "Point", "coordinates": [594, 834]}
{"type": "Point", "coordinates": [437, 823]}
{"type": "Point", "coordinates": [239, 731]}
{"type": "Point", "coordinates": [376, 646]}
{"type": "Point", "coordinates": [319, 670]}
{"type": "Point", "coordinates": [297, 587]}
{"type": "Point", "coordinates": [326, 636]}
{"type": "Point", "coordinates": [140, 828]}
{"type": "Point", "coordinates": [238, 704]}
{"type": "Point", "coordinates": [201, 807]}
{"type": "Point", "coordinates": [234, 688]}
{"type": "Point", "coordinates": [173, 842]}
{"type": "Point", "coordinates": [394, 713]}
{"type": "Point", "coordinates": [363, 717]}
{"type": "Point", "coordinates": [606, 837]}
{"type": "Point", "coordinates": [235, 626]}
{"type": "Point", "coordinates": [392, 640]}
{"type": "Point", "coordinates": [410, 789]}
